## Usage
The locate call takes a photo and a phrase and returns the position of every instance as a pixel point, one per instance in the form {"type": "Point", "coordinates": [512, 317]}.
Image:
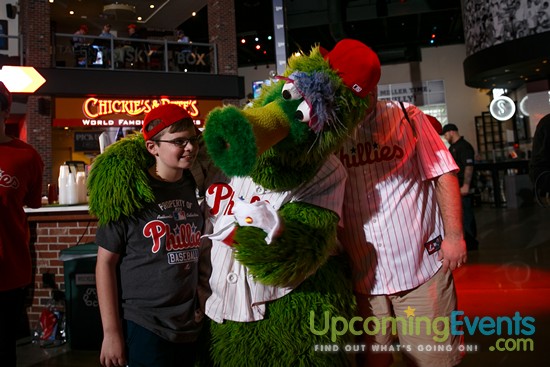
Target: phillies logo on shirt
{"type": "Point", "coordinates": [180, 215]}
{"type": "Point", "coordinates": [221, 193]}
{"type": "Point", "coordinates": [184, 236]}
{"type": "Point", "coordinates": [367, 153]}
{"type": "Point", "coordinates": [8, 180]}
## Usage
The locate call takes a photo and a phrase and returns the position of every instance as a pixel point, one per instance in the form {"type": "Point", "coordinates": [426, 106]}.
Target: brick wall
{"type": "Point", "coordinates": [39, 132]}
{"type": "Point", "coordinates": [223, 33]}
{"type": "Point", "coordinates": [37, 36]}
{"type": "Point", "coordinates": [49, 237]}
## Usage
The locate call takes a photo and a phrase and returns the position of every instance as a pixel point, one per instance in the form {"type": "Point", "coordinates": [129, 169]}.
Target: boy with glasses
{"type": "Point", "coordinates": [148, 261]}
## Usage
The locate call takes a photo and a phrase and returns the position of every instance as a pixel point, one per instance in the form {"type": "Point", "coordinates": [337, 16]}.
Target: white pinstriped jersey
{"type": "Point", "coordinates": [390, 209]}
{"type": "Point", "coordinates": [235, 294]}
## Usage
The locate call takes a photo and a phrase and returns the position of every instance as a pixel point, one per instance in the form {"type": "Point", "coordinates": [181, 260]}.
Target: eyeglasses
{"type": "Point", "coordinates": [181, 142]}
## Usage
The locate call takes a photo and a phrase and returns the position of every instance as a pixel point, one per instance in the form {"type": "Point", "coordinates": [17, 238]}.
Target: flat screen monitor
{"type": "Point", "coordinates": [257, 88]}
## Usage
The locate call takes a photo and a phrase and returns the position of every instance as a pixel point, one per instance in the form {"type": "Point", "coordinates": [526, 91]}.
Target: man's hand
{"type": "Point", "coordinates": [453, 253]}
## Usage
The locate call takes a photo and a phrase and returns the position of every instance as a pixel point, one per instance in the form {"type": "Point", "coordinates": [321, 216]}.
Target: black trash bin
{"type": "Point", "coordinates": [84, 329]}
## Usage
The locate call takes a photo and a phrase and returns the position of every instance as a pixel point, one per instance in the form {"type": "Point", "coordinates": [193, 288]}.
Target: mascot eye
{"type": "Point", "coordinates": [290, 92]}
{"type": "Point", "coordinates": [303, 113]}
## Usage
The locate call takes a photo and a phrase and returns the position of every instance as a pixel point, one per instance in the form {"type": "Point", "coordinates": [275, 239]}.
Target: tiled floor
{"type": "Point", "coordinates": [509, 273]}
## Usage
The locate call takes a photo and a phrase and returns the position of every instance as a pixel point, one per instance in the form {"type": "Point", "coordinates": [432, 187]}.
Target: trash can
{"type": "Point", "coordinates": [84, 329]}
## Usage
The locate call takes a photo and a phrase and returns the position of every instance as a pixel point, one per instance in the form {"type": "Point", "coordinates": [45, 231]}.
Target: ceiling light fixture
{"type": "Point", "coordinates": [119, 10]}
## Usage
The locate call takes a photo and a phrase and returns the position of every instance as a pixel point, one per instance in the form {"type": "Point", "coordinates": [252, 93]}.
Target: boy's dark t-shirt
{"type": "Point", "coordinates": [159, 249]}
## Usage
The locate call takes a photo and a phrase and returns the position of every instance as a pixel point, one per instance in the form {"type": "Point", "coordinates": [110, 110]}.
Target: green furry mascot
{"type": "Point", "coordinates": [280, 288]}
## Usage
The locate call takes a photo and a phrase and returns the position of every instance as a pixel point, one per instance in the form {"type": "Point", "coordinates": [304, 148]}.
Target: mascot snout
{"type": "Point", "coordinates": [236, 138]}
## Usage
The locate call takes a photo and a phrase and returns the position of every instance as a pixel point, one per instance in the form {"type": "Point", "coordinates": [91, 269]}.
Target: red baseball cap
{"type": "Point", "coordinates": [168, 114]}
{"type": "Point", "coordinates": [435, 124]}
{"type": "Point", "coordinates": [357, 65]}
{"type": "Point", "coordinates": [132, 26]}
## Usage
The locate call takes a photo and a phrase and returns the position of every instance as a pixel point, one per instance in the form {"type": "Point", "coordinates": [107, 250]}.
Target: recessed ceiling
{"type": "Point", "coordinates": [396, 31]}
{"type": "Point", "coordinates": [154, 14]}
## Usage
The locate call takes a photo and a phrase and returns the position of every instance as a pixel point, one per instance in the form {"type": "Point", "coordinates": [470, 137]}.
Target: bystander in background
{"type": "Point", "coordinates": [539, 166]}
{"type": "Point", "coordinates": [181, 37]}
{"type": "Point", "coordinates": [463, 154]}
{"type": "Point", "coordinates": [184, 50]}
{"type": "Point", "coordinates": [21, 170]}
{"type": "Point", "coordinates": [136, 52]}
{"type": "Point", "coordinates": [81, 46]}
{"type": "Point", "coordinates": [105, 45]}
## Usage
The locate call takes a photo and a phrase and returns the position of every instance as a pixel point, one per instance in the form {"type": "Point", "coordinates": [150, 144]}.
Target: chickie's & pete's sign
{"type": "Point", "coordinates": [106, 112]}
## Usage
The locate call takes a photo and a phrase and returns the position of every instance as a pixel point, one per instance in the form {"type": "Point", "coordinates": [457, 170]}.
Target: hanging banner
{"type": "Point", "coordinates": [280, 36]}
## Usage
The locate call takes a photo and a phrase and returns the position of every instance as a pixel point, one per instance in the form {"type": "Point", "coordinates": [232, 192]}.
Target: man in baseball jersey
{"type": "Point", "coordinates": [403, 231]}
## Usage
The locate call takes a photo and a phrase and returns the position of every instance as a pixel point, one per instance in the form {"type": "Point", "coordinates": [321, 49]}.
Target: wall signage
{"type": "Point", "coordinates": [112, 112]}
{"type": "Point", "coordinates": [502, 108]}
{"type": "Point", "coordinates": [21, 79]}
{"type": "Point", "coordinates": [86, 141]}
{"type": "Point", "coordinates": [422, 93]}
{"type": "Point", "coordinates": [94, 107]}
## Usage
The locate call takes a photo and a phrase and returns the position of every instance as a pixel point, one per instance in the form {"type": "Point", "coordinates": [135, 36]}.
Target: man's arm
{"type": "Point", "coordinates": [468, 173]}
{"type": "Point", "coordinates": [453, 249]}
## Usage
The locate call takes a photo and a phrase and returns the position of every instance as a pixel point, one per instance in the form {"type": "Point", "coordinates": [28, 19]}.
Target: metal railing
{"type": "Point", "coordinates": [117, 53]}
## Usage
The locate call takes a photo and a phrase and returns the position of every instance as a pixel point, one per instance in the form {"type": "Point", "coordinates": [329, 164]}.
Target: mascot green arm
{"type": "Point", "coordinates": [308, 239]}
{"type": "Point", "coordinates": [118, 184]}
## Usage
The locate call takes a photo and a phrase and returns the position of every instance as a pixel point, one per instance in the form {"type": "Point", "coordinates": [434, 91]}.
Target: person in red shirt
{"type": "Point", "coordinates": [21, 170]}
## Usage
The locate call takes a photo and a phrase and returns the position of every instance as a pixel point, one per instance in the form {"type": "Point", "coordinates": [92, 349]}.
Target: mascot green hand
{"type": "Point", "coordinates": [277, 275]}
